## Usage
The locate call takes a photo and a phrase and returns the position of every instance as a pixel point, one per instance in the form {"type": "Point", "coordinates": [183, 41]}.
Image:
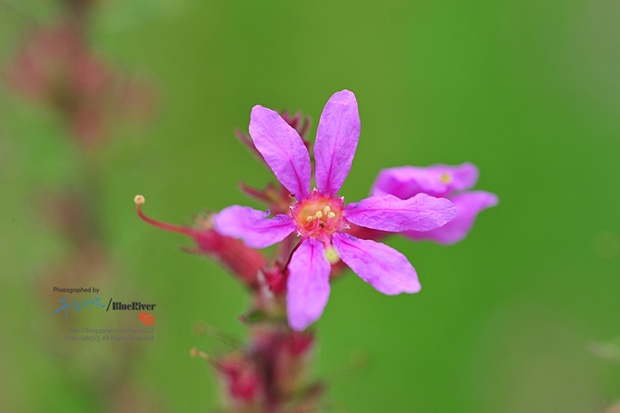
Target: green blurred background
{"type": "Point", "coordinates": [527, 90]}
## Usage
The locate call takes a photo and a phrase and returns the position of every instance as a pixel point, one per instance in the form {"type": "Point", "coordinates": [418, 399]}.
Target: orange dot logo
{"type": "Point", "coordinates": [147, 318]}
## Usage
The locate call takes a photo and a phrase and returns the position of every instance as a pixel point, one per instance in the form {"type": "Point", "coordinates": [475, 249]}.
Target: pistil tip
{"type": "Point", "coordinates": [139, 199]}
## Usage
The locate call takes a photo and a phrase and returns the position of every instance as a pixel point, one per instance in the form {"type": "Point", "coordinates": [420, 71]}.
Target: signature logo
{"type": "Point", "coordinates": [78, 305]}
{"type": "Point", "coordinates": [147, 318]}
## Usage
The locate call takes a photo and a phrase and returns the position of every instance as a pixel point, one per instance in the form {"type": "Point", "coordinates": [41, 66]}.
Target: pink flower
{"type": "Point", "coordinates": [56, 67]}
{"type": "Point", "coordinates": [320, 217]}
{"type": "Point", "coordinates": [440, 181]}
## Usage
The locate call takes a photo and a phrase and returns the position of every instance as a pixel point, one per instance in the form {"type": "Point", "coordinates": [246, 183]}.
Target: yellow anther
{"type": "Point", "coordinates": [318, 214]}
{"type": "Point", "coordinates": [330, 214]}
{"type": "Point", "coordinates": [327, 209]}
{"type": "Point", "coordinates": [139, 199]}
{"type": "Point", "coordinates": [445, 178]}
{"type": "Point", "coordinates": [331, 255]}
{"type": "Point", "coordinates": [310, 218]}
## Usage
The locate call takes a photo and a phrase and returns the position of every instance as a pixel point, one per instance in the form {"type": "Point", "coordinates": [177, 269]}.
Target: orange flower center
{"type": "Point", "coordinates": [319, 216]}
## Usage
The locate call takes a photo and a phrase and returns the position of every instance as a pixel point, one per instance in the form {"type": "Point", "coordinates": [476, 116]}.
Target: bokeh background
{"type": "Point", "coordinates": [519, 317]}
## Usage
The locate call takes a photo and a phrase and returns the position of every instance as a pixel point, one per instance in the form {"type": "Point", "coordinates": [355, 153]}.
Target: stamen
{"type": "Point", "coordinates": [140, 200]}
{"type": "Point", "coordinates": [318, 214]}
{"type": "Point", "coordinates": [194, 352]}
{"type": "Point", "coordinates": [330, 214]}
{"type": "Point", "coordinates": [310, 218]}
{"type": "Point", "coordinates": [327, 209]}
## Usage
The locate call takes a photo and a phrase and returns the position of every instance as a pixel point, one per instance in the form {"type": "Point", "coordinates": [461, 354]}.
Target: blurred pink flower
{"type": "Point", "coordinates": [55, 67]}
{"type": "Point", "coordinates": [440, 181]}
{"type": "Point", "coordinates": [320, 218]}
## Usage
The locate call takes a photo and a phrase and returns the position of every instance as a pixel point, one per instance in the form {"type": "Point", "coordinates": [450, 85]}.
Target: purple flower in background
{"type": "Point", "coordinates": [440, 181]}
{"type": "Point", "coordinates": [320, 217]}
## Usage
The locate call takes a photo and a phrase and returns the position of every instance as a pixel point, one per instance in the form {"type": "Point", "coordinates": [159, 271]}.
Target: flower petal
{"type": "Point", "coordinates": [389, 213]}
{"type": "Point", "coordinates": [381, 266]}
{"type": "Point", "coordinates": [336, 141]}
{"type": "Point", "coordinates": [468, 205]}
{"type": "Point", "coordinates": [252, 226]}
{"type": "Point", "coordinates": [307, 285]}
{"type": "Point", "coordinates": [436, 180]}
{"type": "Point", "coordinates": [282, 149]}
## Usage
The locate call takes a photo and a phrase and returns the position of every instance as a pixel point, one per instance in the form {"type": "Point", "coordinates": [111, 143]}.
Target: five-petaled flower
{"type": "Point", "coordinates": [443, 181]}
{"type": "Point", "coordinates": [320, 217]}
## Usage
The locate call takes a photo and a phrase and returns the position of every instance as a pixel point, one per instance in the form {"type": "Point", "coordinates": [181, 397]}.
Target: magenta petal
{"type": "Point", "coordinates": [282, 149]}
{"type": "Point", "coordinates": [468, 205]}
{"type": "Point", "coordinates": [307, 285]}
{"type": "Point", "coordinates": [462, 176]}
{"type": "Point", "coordinates": [389, 213]}
{"type": "Point", "coordinates": [437, 180]}
{"type": "Point", "coordinates": [254, 227]}
{"type": "Point", "coordinates": [381, 266]}
{"type": "Point", "coordinates": [336, 141]}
